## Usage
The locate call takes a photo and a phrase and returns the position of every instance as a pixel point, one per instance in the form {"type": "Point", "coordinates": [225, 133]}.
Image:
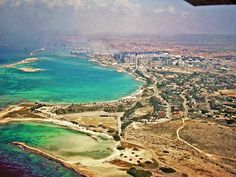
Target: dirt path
{"type": "Point", "coordinates": [179, 138]}
{"type": "Point", "coordinates": [184, 124]}
{"type": "Point", "coordinates": [211, 156]}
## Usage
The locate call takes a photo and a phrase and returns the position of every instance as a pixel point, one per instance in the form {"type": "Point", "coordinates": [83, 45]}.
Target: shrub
{"type": "Point", "coordinates": [139, 173]}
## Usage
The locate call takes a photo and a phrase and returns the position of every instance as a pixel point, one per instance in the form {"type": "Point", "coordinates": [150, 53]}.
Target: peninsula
{"type": "Point", "coordinates": [23, 62]}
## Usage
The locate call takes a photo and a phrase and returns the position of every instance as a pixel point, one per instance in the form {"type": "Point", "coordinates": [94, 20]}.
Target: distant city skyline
{"type": "Point", "coordinates": [35, 19]}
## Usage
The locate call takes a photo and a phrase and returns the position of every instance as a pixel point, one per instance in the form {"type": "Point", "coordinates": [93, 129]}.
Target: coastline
{"type": "Point", "coordinates": [81, 169]}
{"type": "Point", "coordinates": [24, 69]}
{"type": "Point", "coordinates": [76, 168]}
{"type": "Point", "coordinates": [30, 70]}
{"type": "Point", "coordinates": [24, 61]}
{"type": "Point", "coordinates": [85, 166]}
{"type": "Point", "coordinates": [62, 123]}
{"type": "Point", "coordinates": [132, 95]}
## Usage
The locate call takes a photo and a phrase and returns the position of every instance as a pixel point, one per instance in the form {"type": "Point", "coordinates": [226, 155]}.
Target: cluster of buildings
{"type": "Point", "coordinates": [179, 81]}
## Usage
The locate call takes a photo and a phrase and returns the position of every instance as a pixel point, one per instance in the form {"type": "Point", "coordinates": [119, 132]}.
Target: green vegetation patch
{"type": "Point", "coordinates": [139, 173]}
{"type": "Point", "coordinates": [167, 170]}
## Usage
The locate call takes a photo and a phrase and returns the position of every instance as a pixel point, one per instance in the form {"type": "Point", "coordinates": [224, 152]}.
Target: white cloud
{"type": "Point", "coordinates": [102, 3]}
{"type": "Point", "coordinates": [127, 5]}
{"type": "Point", "coordinates": [169, 9]}
{"type": "Point", "coordinates": [159, 11]}
{"type": "Point", "coordinates": [184, 13]}
{"type": "Point", "coordinates": [119, 5]}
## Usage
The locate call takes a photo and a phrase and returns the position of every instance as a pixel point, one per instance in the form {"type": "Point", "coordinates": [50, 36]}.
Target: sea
{"type": "Point", "coordinates": [16, 162]}
{"type": "Point", "coordinates": [63, 79]}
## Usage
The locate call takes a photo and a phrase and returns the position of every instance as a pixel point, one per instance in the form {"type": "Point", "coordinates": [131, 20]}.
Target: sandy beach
{"type": "Point", "coordinates": [57, 122]}
{"type": "Point", "coordinates": [92, 166]}
{"type": "Point", "coordinates": [24, 69]}
{"type": "Point", "coordinates": [25, 61]}
{"type": "Point", "coordinates": [83, 165]}
{"type": "Point", "coordinates": [30, 70]}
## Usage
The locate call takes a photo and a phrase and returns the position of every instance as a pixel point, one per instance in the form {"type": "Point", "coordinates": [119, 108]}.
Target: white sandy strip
{"type": "Point", "coordinates": [25, 61]}
{"type": "Point", "coordinates": [10, 109]}
{"type": "Point", "coordinates": [57, 122]}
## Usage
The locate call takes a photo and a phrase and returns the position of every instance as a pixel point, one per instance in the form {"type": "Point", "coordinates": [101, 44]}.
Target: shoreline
{"type": "Point", "coordinates": [76, 168]}
{"type": "Point", "coordinates": [115, 69]}
{"type": "Point", "coordinates": [66, 124]}
{"type": "Point", "coordinates": [63, 123]}
{"type": "Point", "coordinates": [30, 69]}
{"type": "Point", "coordinates": [132, 95]}
{"type": "Point", "coordinates": [25, 69]}
{"type": "Point", "coordinates": [24, 61]}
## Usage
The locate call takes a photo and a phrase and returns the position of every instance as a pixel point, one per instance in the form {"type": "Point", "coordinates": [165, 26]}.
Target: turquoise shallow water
{"type": "Point", "coordinates": [64, 80]}
{"type": "Point", "coordinates": [14, 162]}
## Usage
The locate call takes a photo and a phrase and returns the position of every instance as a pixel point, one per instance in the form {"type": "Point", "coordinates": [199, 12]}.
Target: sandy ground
{"type": "Point", "coordinates": [25, 61]}
{"type": "Point", "coordinates": [92, 164]}
{"type": "Point", "coordinates": [143, 111]}
{"type": "Point", "coordinates": [96, 118]}
{"type": "Point", "coordinates": [229, 93]}
{"type": "Point", "coordinates": [119, 161]}
{"type": "Point", "coordinates": [30, 70]}
{"type": "Point", "coordinates": [9, 109]}
{"type": "Point", "coordinates": [163, 140]}
{"type": "Point", "coordinates": [56, 122]}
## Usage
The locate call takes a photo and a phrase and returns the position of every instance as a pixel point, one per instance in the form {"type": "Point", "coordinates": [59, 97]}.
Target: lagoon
{"type": "Point", "coordinates": [69, 145]}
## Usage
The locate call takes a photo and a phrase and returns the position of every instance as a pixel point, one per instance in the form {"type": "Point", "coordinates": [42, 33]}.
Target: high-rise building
{"type": "Point", "coordinates": [136, 61]}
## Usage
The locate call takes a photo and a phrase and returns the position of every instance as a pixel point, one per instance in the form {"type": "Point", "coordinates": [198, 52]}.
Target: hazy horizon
{"type": "Point", "coordinates": [32, 20]}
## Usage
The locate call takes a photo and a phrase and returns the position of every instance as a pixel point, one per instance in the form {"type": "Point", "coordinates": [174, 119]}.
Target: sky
{"type": "Point", "coordinates": [38, 19]}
